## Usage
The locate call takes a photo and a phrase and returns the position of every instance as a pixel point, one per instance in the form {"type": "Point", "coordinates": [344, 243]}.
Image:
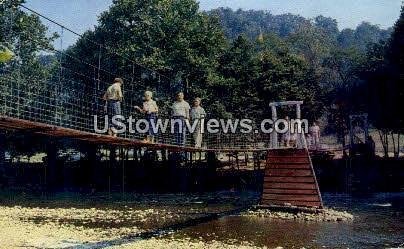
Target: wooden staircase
{"type": "Point", "coordinates": [290, 180]}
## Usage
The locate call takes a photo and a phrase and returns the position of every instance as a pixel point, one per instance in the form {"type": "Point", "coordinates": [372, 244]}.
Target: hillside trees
{"type": "Point", "coordinates": [383, 73]}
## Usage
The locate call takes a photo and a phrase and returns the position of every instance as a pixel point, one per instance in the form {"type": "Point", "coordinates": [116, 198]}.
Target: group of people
{"type": "Point", "coordinates": [181, 112]}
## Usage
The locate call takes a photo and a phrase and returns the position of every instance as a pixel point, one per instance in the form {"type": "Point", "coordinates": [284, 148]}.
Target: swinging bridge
{"type": "Point", "coordinates": [62, 103]}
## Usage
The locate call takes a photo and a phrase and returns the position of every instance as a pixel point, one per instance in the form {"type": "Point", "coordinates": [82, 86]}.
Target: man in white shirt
{"type": "Point", "coordinates": [113, 98]}
{"type": "Point", "coordinates": [197, 114]}
{"type": "Point", "coordinates": [180, 113]}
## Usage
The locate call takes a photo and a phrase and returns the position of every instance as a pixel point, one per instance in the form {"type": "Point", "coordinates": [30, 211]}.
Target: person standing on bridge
{"type": "Point", "coordinates": [315, 134]}
{"type": "Point", "coordinates": [180, 114]}
{"type": "Point", "coordinates": [197, 114]}
{"type": "Point", "coordinates": [151, 109]}
{"type": "Point", "coordinates": [286, 137]}
{"type": "Point", "coordinates": [113, 98]}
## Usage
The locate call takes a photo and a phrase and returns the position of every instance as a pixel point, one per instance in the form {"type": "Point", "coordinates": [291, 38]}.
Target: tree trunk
{"type": "Point", "coordinates": [383, 136]}
{"type": "Point", "coordinates": [394, 144]}
{"type": "Point", "coordinates": [387, 143]}
{"type": "Point", "coordinates": [343, 145]}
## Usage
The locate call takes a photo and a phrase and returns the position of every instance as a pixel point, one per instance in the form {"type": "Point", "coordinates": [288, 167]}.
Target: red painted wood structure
{"type": "Point", "coordinates": [289, 179]}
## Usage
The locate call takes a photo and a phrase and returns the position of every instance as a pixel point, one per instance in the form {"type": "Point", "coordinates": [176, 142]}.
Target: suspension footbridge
{"type": "Point", "coordinates": [62, 100]}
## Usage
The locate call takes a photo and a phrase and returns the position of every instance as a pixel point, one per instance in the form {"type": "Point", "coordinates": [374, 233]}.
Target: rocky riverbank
{"type": "Point", "coordinates": [39, 227]}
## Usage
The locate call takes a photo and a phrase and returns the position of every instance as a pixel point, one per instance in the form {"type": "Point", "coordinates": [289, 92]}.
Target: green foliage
{"type": "Point", "coordinates": [24, 36]}
{"type": "Point", "coordinates": [5, 54]}
{"type": "Point", "coordinates": [383, 74]}
{"type": "Point", "coordinates": [238, 67]}
{"type": "Point", "coordinates": [288, 76]}
{"type": "Point", "coordinates": [279, 57]}
{"type": "Point", "coordinates": [252, 22]}
{"type": "Point", "coordinates": [312, 43]}
{"type": "Point", "coordinates": [170, 36]}
{"type": "Point", "coordinates": [327, 25]}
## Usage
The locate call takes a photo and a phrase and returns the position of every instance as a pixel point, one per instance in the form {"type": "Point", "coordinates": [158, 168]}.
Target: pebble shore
{"type": "Point", "coordinates": [43, 227]}
{"type": "Point", "coordinates": [325, 214]}
{"type": "Point", "coordinates": [38, 227]}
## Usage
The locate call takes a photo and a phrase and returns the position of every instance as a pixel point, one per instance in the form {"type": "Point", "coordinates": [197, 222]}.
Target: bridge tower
{"type": "Point", "coordinates": [289, 178]}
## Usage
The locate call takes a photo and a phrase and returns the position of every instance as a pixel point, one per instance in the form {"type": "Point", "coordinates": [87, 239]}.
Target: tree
{"type": "Point", "coordinates": [288, 76]}
{"type": "Point", "coordinates": [239, 68]}
{"type": "Point", "coordinates": [312, 43]}
{"type": "Point", "coordinates": [340, 80]}
{"type": "Point", "coordinates": [383, 73]}
{"type": "Point", "coordinates": [171, 37]}
{"type": "Point", "coordinates": [364, 35]}
{"type": "Point", "coordinates": [395, 62]}
{"type": "Point", "coordinates": [328, 25]}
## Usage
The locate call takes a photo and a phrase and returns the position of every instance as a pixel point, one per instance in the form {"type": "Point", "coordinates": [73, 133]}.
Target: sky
{"type": "Point", "coordinates": [81, 15]}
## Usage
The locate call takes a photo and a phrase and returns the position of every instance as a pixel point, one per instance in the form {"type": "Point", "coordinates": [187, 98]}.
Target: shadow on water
{"type": "Point", "coordinates": [165, 230]}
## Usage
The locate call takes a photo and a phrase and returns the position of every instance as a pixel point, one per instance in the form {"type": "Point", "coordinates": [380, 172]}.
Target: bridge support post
{"type": "Point", "coordinates": [274, 105]}
{"type": "Point", "coordinates": [51, 160]}
{"type": "Point", "coordinates": [300, 140]}
{"type": "Point", "coordinates": [2, 158]}
{"type": "Point", "coordinates": [211, 159]}
{"type": "Point", "coordinates": [112, 155]}
{"type": "Point", "coordinates": [274, 134]}
{"type": "Point", "coordinates": [90, 166]}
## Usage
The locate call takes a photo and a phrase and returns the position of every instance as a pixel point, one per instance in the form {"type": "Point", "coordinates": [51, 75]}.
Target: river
{"type": "Point", "coordinates": [378, 223]}
{"type": "Point", "coordinates": [142, 221]}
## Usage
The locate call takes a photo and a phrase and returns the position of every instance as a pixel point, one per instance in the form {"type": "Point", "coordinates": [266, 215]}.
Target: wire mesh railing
{"type": "Point", "coordinates": [60, 87]}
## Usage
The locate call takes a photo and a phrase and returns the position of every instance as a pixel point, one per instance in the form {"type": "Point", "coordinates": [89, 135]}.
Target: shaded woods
{"type": "Point", "coordinates": [237, 61]}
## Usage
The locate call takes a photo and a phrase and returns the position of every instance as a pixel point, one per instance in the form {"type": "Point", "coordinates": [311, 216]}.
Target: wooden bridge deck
{"type": "Point", "coordinates": [15, 124]}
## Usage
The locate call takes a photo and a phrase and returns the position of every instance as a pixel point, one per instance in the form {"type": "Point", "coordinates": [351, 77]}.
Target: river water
{"type": "Point", "coordinates": [89, 222]}
{"type": "Point", "coordinates": [378, 223]}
